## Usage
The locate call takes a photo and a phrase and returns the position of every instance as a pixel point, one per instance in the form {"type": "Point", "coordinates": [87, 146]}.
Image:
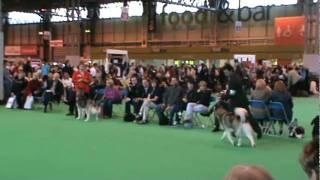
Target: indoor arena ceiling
{"type": "Point", "coordinates": [28, 5]}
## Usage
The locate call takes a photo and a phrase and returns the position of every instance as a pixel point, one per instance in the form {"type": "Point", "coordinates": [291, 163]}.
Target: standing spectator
{"type": "Point", "coordinates": [45, 69]}
{"type": "Point", "coordinates": [82, 79]}
{"type": "Point", "coordinates": [67, 68]}
{"type": "Point", "coordinates": [27, 68]}
{"type": "Point", "coordinates": [69, 93]}
{"type": "Point", "coordinates": [7, 81]}
{"type": "Point", "coordinates": [93, 70]}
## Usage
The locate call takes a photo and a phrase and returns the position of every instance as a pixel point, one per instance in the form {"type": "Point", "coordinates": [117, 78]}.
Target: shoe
{"type": "Point", "coordinates": [216, 129]}
{"type": "Point", "coordinates": [259, 135]}
{"type": "Point", "coordinates": [70, 114]}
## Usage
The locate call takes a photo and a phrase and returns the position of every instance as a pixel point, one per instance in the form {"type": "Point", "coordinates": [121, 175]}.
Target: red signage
{"type": "Point", "coordinates": [12, 50]}
{"type": "Point", "coordinates": [29, 50]}
{"type": "Point", "coordinates": [56, 43]}
{"type": "Point", "coordinates": [20, 50]}
{"type": "Point", "coordinates": [290, 30]}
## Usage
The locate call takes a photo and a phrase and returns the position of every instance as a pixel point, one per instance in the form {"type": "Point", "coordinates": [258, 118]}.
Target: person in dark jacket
{"type": "Point", "coordinates": [171, 102]}
{"type": "Point", "coordinates": [135, 96]}
{"type": "Point", "coordinates": [53, 90]}
{"type": "Point", "coordinates": [18, 86]}
{"type": "Point", "coordinates": [152, 99]}
{"type": "Point", "coordinates": [27, 68]}
{"type": "Point", "coordinates": [191, 96]}
{"type": "Point", "coordinates": [236, 96]}
{"type": "Point", "coordinates": [67, 68]}
{"type": "Point", "coordinates": [201, 103]}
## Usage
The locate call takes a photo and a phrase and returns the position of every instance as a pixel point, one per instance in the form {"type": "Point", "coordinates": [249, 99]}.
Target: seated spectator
{"type": "Point", "coordinates": [201, 104]}
{"type": "Point", "coordinates": [111, 95]}
{"type": "Point", "coordinates": [171, 101]}
{"type": "Point", "coordinates": [281, 94]}
{"type": "Point", "coordinates": [309, 159]}
{"type": "Point", "coordinates": [191, 95]}
{"type": "Point", "coordinates": [134, 97]}
{"type": "Point", "coordinates": [262, 93]}
{"type": "Point", "coordinates": [33, 87]}
{"type": "Point", "coordinates": [53, 90]}
{"type": "Point", "coordinates": [245, 172]}
{"type": "Point", "coordinates": [18, 86]}
{"type": "Point", "coordinates": [151, 101]}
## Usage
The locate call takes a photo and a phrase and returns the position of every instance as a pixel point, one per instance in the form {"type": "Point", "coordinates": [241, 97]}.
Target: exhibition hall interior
{"type": "Point", "coordinates": [159, 89]}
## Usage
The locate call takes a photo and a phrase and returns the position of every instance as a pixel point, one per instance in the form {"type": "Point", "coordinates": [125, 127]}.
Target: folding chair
{"type": "Point", "coordinates": [260, 112]}
{"type": "Point", "coordinates": [277, 113]}
{"type": "Point", "coordinates": [198, 116]}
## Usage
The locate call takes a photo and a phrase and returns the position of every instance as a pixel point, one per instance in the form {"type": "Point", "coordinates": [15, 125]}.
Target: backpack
{"type": "Point", "coordinates": [129, 117]}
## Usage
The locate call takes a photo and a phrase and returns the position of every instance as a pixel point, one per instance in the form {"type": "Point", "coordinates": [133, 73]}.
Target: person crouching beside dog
{"type": "Point", "coordinates": [202, 103]}
{"type": "Point", "coordinates": [53, 90]}
{"type": "Point", "coordinates": [111, 95]}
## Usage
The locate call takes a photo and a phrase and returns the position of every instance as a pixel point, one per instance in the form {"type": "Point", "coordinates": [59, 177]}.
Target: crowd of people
{"type": "Point", "coordinates": [167, 90]}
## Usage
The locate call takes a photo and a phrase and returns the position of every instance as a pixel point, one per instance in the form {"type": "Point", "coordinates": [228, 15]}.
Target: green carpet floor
{"type": "Point", "coordinates": [38, 146]}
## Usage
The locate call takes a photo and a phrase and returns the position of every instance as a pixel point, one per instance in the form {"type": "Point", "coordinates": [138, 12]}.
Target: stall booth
{"type": "Point", "coordinates": [119, 59]}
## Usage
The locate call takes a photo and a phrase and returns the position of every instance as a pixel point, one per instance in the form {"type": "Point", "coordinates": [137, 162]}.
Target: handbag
{"type": "Point", "coordinates": [29, 102]}
{"type": "Point", "coordinates": [11, 103]}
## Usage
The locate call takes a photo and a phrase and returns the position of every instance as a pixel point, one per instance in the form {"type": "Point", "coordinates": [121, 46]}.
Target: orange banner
{"type": "Point", "coordinates": [290, 30]}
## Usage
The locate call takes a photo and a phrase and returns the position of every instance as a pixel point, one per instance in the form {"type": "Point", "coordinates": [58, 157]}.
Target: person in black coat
{"type": "Point", "coordinates": [53, 90]}
{"type": "Point", "coordinates": [18, 86]}
{"type": "Point", "coordinates": [135, 96]}
{"type": "Point", "coordinates": [67, 68]}
{"type": "Point", "coordinates": [237, 97]}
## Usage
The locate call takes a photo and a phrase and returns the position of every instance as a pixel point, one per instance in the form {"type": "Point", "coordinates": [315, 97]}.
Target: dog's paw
{"type": "Point", "coordinates": [87, 120]}
{"type": "Point", "coordinates": [239, 144]}
{"type": "Point", "coordinates": [254, 145]}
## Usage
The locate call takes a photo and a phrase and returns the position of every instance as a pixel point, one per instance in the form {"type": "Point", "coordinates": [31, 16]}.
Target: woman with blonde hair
{"type": "Point", "coordinates": [111, 96]}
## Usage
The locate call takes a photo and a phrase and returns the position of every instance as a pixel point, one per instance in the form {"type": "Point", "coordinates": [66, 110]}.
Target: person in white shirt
{"type": "Point", "coordinates": [93, 70]}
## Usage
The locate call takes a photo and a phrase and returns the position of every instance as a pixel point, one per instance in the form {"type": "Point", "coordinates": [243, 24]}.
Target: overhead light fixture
{"type": "Point", "coordinates": [87, 31]}
{"type": "Point", "coordinates": [40, 33]}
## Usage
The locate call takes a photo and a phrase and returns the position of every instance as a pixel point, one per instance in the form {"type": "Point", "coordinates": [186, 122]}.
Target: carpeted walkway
{"type": "Point", "coordinates": [38, 146]}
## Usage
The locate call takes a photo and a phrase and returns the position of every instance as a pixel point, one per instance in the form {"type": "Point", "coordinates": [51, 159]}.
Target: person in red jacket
{"type": "Point", "coordinates": [81, 79]}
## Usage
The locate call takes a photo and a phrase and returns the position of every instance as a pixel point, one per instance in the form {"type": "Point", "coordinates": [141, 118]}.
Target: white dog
{"type": "Point", "coordinates": [235, 124]}
{"type": "Point", "coordinates": [92, 109]}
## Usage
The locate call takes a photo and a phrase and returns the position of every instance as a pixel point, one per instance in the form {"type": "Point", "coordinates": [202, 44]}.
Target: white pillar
{"type": "Point", "coordinates": [1, 55]}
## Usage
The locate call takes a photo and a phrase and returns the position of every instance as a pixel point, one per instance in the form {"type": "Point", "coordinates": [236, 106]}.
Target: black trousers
{"type": "Point", "coordinates": [136, 106]}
